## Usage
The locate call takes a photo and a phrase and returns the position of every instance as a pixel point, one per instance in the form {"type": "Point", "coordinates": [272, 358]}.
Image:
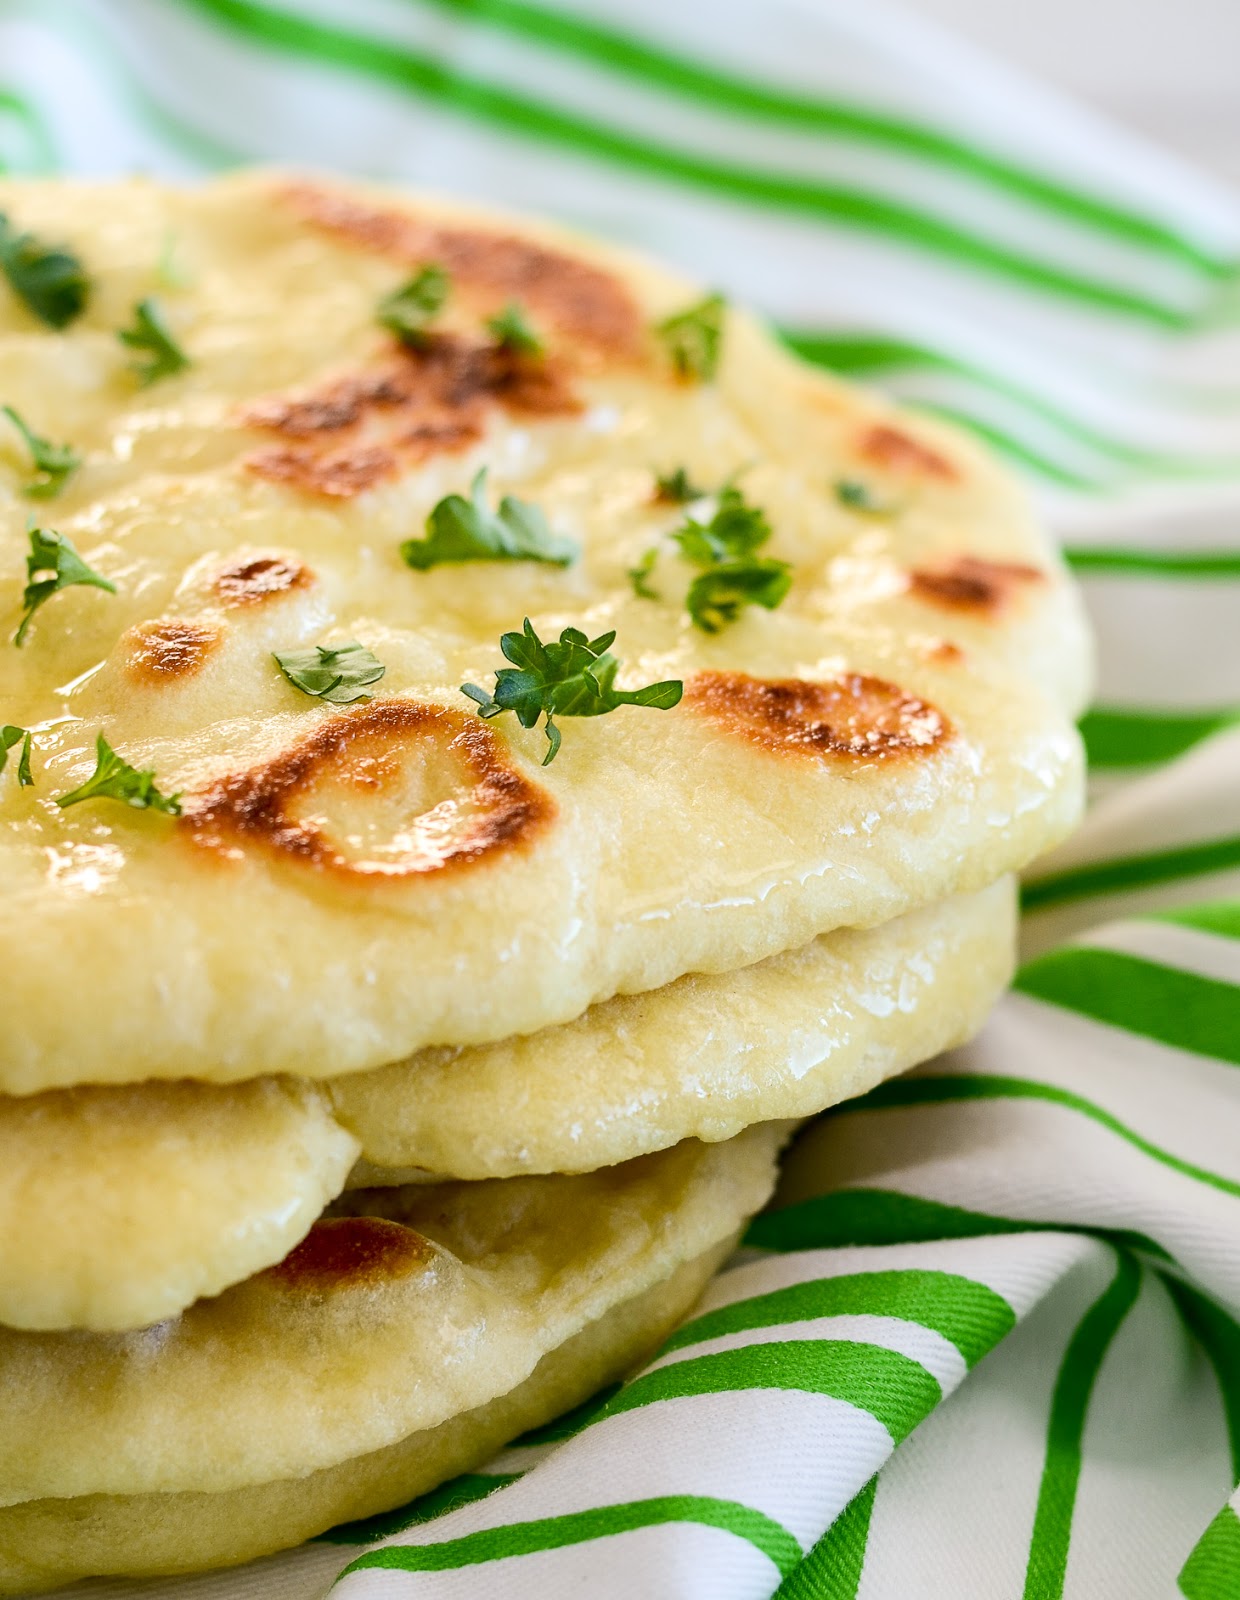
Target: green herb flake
{"type": "Point", "coordinates": [693, 338]}
{"type": "Point", "coordinates": [48, 279]}
{"type": "Point", "coordinates": [150, 336]}
{"type": "Point", "coordinates": [408, 311]}
{"type": "Point", "coordinates": [339, 674]}
{"type": "Point", "coordinates": [52, 462]}
{"type": "Point", "coordinates": [169, 270]}
{"type": "Point", "coordinates": [676, 488]}
{"type": "Point", "coordinates": [734, 576]}
{"type": "Point", "coordinates": [9, 736]}
{"type": "Point", "coordinates": [736, 529]}
{"type": "Point", "coordinates": [512, 330]}
{"type": "Point", "coordinates": [574, 678]}
{"type": "Point", "coordinates": [718, 596]}
{"type": "Point", "coordinates": [460, 530]}
{"type": "Point", "coordinates": [52, 555]}
{"type": "Point", "coordinates": [857, 496]}
{"type": "Point", "coordinates": [639, 576]}
{"type": "Point", "coordinates": [114, 779]}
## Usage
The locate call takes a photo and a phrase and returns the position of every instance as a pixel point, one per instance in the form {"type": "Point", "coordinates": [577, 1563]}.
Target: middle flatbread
{"type": "Point", "coordinates": [121, 1205]}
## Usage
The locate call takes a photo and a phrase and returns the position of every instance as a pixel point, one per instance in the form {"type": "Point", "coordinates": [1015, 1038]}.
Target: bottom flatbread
{"type": "Point", "coordinates": [362, 1369]}
{"type": "Point", "coordinates": [122, 1205]}
{"type": "Point", "coordinates": [46, 1543]}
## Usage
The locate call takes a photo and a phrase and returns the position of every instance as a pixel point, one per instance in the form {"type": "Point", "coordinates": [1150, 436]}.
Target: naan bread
{"type": "Point", "coordinates": [122, 1204]}
{"type": "Point", "coordinates": [349, 885]}
{"type": "Point", "coordinates": [45, 1543]}
{"type": "Point", "coordinates": [406, 1308]}
{"type": "Point", "coordinates": [701, 1058]}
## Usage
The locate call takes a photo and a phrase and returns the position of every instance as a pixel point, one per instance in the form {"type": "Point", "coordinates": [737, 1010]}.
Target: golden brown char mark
{"type": "Point", "coordinates": [336, 406]}
{"type": "Point", "coordinates": [260, 578]}
{"type": "Point", "coordinates": [336, 474]}
{"type": "Point", "coordinates": [887, 446]}
{"type": "Point", "coordinates": [162, 651]}
{"type": "Point", "coordinates": [493, 806]}
{"type": "Point", "coordinates": [580, 299]}
{"type": "Point", "coordinates": [973, 584]}
{"type": "Point", "coordinates": [853, 715]}
{"type": "Point", "coordinates": [351, 1253]}
{"type": "Point", "coordinates": [358, 429]}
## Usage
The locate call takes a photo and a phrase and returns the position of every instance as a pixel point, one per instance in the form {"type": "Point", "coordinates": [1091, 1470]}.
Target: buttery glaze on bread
{"type": "Point", "coordinates": [349, 884]}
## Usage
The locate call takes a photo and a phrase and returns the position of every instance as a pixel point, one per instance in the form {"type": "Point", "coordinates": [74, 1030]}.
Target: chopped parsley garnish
{"type": "Point", "coordinates": [408, 311]}
{"type": "Point", "coordinates": [468, 530]}
{"type": "Point", "coordinates": [639, 576]}
{"type": "Point", "coordinates": [573, 678]}
{"type": "Point", "coordinates": [719, 595]}
{"type": "Point", "coordinates": [693, 338]}
{"type": "Point", "coordinates": [151, 337]}
{"type": "Point", "coordinates": [735, 530]}
{"type": "Point", "coordinates": [114, 779]}
{"type": "Point", "coordinates": [734, 577]}
{"type": "Point", "coordinates": [54, 556]}
{"type": "Point", "coordinates": [168, 269]}
{"type": "Point", "coordinates": [676, 488]}
{"type": "Point", "coordinates": [858, 496]}
{"type": "Point", "coordinates": [52, 462]}
{"type": "Point", "coordinates": [48, 279]}
{"type": "Point", "coordinates": [338, 673]}
{"type": "Point", "coordinates": [10, 735]}
{"type": "Point", "coordinates": [511, 329]}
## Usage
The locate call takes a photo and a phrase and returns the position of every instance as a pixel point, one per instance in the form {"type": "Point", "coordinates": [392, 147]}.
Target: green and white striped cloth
{"type": "Point", "coordinates": [988, 1347]}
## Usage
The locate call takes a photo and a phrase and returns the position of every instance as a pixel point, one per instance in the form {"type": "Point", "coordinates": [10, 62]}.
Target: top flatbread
{"type": "Point", "coordinates": [349, 885]}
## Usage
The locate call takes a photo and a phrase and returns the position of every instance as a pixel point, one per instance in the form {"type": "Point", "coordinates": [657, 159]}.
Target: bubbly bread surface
{"type": "Point", "coordinates": [122, 1204]}
{"type": "Point", "coordinates": [401, 1309]}
{"type": "Point", "coordinates": [348, 884]}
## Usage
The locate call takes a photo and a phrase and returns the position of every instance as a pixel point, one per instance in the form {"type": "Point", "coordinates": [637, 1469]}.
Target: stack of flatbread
{"type": "Point", "coordinates": [491, 742]}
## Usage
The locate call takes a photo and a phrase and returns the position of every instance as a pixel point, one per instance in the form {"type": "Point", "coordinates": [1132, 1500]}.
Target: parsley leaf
{"type": "Point", "coordinates": [150, 335]}
{"type": "Point", "coordinates": [735, 530]}
{"type": "Point", "coordinates": [639, 575]}
{"type": "Point", "coordinates": [50, 280]}
{"type": "Point", "coordinates": [512, 330]}
{"type": "Point", "coordinates": [114, 779]}
{"type": "Point", "coordinates": [718, 596]}
{"type": "Point", "coordinates": [734, 576]}
{"type": "Point", "coordinates": [52, 462]}
{"type": "Point", "coordinates": [168, 269]}
{"type": "Point", "coordinates": [676, 488]}
{"type": "Point", "coordinates": [10, 735]}
{"type": "Point", "coordinates": [53, 554]}
{"type": "Point", "coordinates": [407, 311]}
{"type": "Point", "coordinates": [573, 678]}
{"type": "Point", "coordinates": [339, 674]}
{"type": "Point", "coordinates": [858, 496]}
{"type": "Point", "coordinates": [693, 338]}
{"type": "Point", "coordinates": [468, 530]}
